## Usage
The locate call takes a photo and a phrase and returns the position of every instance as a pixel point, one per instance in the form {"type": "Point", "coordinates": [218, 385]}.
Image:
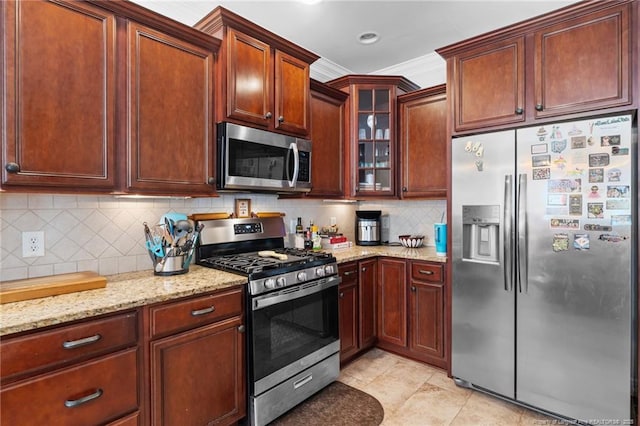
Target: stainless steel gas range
{"type": "Point", "coordinates": [292, 311]}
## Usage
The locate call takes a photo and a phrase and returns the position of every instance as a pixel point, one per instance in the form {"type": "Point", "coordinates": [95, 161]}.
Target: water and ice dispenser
{"type": "Point", "coordinates": [480, 233]}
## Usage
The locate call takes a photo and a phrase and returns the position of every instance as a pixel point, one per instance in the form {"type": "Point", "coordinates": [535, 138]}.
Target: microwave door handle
{"type": "Point", "coordinates": [296, 164]}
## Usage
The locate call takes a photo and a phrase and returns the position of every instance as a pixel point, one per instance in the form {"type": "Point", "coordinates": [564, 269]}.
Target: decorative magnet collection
{"type": "Point", "coordinates": [585, 181]}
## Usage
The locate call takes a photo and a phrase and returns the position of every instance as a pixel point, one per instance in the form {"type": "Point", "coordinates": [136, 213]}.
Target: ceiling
{"type": "Point", "coordinates": [407, 29]}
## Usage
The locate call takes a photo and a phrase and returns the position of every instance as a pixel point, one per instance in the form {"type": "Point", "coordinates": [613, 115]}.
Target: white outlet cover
{"type": "Point", "coordinates": [33, 244]}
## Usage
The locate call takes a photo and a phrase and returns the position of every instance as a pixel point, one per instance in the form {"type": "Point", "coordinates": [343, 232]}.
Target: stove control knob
{"type": "Point", "coordinates": [270, 283]}
{"type": "Point", "coordinates": [320, 272]}
{"type": "Point", "coordinates": [329, 269]}
{"type": "Point", "coordinates": [281, 282]}
{"type": "Point", "coordinates": [302, 276]}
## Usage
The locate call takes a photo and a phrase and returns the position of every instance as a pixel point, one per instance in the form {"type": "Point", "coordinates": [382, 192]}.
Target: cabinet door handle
{"type": "Point", "coordinates": [211, 180]}
{"type": "Point", "coordinates": [280, 119]}
{"type": "Point", "coordinates": [72, 344]}
{"type": "Point", "coordinates": [241, 328]}
{"type": "Point", "coordinates": [268, 115]}
{"type": "Point", "coordinates": [413, 288]}
{"type": "Point", "coordinates": [12, 167]}
{"type": "Point", "coordinates": [539, 107]}
{"type": "Point", "coordinates": [202, 311]}
{"type": "Point", "coordinates": [519, 111]}
{"type": "Point", "coordinates": [70, 403]}
{"type": "Point", "coordinates": [404, 189]}
{"type": "Point", "coordinates": [341, 295]}
{"type": "Point", "coordinates": [364, 269]}
{"type": "Point", "coordinates": [425, 272]}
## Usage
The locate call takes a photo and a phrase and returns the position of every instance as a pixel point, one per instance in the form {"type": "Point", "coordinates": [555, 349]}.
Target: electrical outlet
{"type": "Point", "coordinates": [33, 244]}
{"type": "Point", "coordinates": [333, 220]}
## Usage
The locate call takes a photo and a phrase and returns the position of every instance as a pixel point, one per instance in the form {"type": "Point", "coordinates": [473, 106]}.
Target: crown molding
{"type": "Point", "coordinates": [426, 71]}
{"type": "Point", "coordinates": [324, 70]}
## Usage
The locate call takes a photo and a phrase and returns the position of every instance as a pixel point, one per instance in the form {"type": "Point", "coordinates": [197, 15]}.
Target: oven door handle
{"type": "Point", "coordinates": [293, 293]}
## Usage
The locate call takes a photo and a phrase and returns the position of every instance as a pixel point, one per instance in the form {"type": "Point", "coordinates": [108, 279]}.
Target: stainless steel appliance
{"type": "Point", "coordinates": [257, 160]}
{"type": "Point", "coordinates": [292, 311]}
{"type": "Point", "coordinates": [544, 267]}
{"type": "Point", "coordinates": [368, 227]}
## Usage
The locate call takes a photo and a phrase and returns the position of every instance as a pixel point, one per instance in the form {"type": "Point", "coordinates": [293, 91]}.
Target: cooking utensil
{"type": "Point", "coordinates": [271, 253]}
{"type": "Point", "coordinates": [192, 245]}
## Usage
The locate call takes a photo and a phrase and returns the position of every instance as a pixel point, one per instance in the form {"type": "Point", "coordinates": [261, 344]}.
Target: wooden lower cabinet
{"type": "Point", "coordinates": [392, 302]}
{"type": "Point", "coordinates": [357, 308]}
{"type": "Point", "coordinates": [86, 373]}
{"type": "Point", "coordinates": [427, 313]}
{"type": "Point", "coordinates": [197, 374]}
{"type": "Point", "coordinates": [348, 310]}
{"type": "Point", "coordinates": [411, 309]}
{"type": "Point", "coordinates": [367, 279]}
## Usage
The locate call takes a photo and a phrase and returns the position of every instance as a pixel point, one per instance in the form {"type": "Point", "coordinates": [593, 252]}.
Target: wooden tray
{"type": "Point", "coordinates": [34, 288]}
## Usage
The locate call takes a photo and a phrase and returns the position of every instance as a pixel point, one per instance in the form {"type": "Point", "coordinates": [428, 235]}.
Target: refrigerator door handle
{"type": "Point", "coordinates": [521, 251]}
{"type": "Point", "coordinates": [506, 235]}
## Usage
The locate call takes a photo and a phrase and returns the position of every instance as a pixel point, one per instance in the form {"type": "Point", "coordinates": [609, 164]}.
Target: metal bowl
{"type": "Point", "coordinates": [411, 241]}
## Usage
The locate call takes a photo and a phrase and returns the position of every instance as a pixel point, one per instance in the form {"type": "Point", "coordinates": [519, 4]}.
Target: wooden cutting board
{"type": "Point", "coordinates": [34, 288]}
{"type": "Point", "coordinates": [209, 216]}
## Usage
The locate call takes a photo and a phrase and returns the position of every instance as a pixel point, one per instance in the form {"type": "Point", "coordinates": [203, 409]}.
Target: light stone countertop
{"type": "Point", "coordinates": [131, 290]}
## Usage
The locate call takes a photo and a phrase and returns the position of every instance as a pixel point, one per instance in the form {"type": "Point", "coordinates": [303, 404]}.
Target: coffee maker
{"type": "Point", "coordinates": [368, 227]}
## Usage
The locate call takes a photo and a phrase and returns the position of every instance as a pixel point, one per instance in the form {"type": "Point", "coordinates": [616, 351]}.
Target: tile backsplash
{"type": "Point", "coordinates": [104, 234]}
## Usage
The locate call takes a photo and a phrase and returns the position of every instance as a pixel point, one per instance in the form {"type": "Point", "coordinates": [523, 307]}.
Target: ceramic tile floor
{"type": "Point", "coordinates": [415, 394]}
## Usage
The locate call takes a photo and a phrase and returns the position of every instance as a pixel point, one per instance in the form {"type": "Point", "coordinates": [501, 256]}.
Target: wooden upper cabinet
{"type": "Point", "coordinates": [327, 136]}
{"type": "Point", "coordinates": [264, 79]}
{"type": "Point", "coordinates": [370, 161]}
{"type": "Point", "coordinates": [488, 85]}
{"type": "Point", "coordinates": [292, 94]}
{"type": "Point", "coordinates": [583, 63]}
{"type": "Point", "coordinates": [248, 79]}
{"type": "Point", "coordinates": [564, 64]}
{"type": "Point", "coordinates": [423, 143]}
{"type": "Point", "coordinates": [59, 91]}
{"type": "Point", "coordinates": [169, 100]}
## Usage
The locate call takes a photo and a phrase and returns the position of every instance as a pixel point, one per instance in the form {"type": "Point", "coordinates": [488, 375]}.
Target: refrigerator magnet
{"type": "Point", "coordinates": [558, 146]}
{"type": "Point", "coordinates": [595, 210]}
{"type": "Point", "coordinates": [540, 148]}
{"type": "Point", "coordinates": [612, 238]}
{"type": "Point", "coordinates": [578, 142]}
{"type": "Point", "coordinates": [564, 223]}
{"type": "Point", "coordinates": [594, 227]}
{"type": "Point", "coordinates": [610, 140]}
{"type": "Point", "coordinates": [596, 175]}
{"type": "Point", "coordinates": [581, 241]}
{"type": "Point", "coordinates": [540, 160]}
{"type": "Point", "coordinates": [541, 174]}
{"type": "Point", "coordinates": [575, 205]}
{"type": "Point", "coordinates": [616, 150]}
{"type": "Point", "coordinates": [613, 175]}
{"type": "Point", "coordinates": [599, 160]}
{"type": "Point", "coordinates": [560, 242]}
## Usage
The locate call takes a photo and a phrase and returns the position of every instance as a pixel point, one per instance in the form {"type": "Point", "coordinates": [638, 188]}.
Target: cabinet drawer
{"type": "Point", "coordinates": [36, 352]}
{"type": "Point", "coordinates": [192, 313]}
{"type": "Point", "coordinates": [94, 392]}
{"type": "Point", "coordinates": [431, 272]}
{"type": "Point", "coordinates": [348, 272]}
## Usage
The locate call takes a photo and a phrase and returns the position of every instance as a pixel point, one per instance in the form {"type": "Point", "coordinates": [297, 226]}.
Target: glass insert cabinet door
{"type": "Point", "coordinates": [374, 140]}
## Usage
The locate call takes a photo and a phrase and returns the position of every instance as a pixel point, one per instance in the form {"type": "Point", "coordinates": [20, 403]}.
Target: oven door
{"type": "Point", "coordinates": [291, 330]}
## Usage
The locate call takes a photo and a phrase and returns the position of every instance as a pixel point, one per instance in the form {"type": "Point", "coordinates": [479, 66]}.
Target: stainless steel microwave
{"type": "Point", "coordinates": [256, 160]}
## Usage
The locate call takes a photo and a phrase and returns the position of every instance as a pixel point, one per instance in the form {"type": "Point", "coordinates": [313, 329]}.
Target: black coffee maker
{"type": "Point", "coordinates": [368, 227]}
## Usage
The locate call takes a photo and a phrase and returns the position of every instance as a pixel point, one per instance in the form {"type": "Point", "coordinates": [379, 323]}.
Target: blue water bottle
{"type": "Point", "coordinates": [440, 235]}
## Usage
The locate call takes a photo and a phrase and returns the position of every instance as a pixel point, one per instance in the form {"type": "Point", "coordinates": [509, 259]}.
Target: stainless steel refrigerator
{"type": "Point", "coordinates": [544, 228]}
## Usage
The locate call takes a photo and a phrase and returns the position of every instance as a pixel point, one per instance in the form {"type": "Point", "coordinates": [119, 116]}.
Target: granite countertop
{"type": "Point", "coordinates": [131, 290]}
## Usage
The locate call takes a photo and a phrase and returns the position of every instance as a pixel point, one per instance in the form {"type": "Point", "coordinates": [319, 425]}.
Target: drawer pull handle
{"type": "Point", "coordinates": [422, 271]}
{"type": "Point", "coordinates": [203, 311]}
{"type": "Point", "coordinates": [70, 403]}
{"type": "Point", "coordinates": [302, 381]}
{"type": "Point", "coordinates": [81, 342]}
{"type": "Point", "coordinates": [349, 272]}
